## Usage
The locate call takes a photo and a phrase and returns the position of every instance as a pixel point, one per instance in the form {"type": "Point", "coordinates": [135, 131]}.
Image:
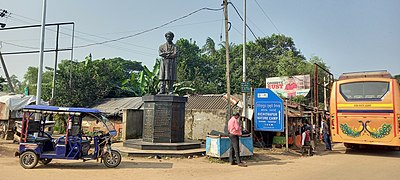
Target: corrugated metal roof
{"type": "Point", "coordinates": [207, 102]}
{"type": "Point", "coordinates": [113, 106]}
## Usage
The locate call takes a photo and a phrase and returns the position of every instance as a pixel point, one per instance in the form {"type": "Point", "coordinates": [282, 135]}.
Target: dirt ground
{"type": "Point", "coordinates": [266, 164]}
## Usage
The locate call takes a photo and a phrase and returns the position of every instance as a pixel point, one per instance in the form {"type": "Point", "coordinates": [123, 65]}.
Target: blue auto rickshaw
{"type": "Point", "coordinates": [37, 145]}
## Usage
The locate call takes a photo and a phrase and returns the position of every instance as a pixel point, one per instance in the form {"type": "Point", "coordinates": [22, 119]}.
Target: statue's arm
{"type": "Point", "coordinates": [174, 53]}
{"type": "Point", "coordinates": [162, 52]}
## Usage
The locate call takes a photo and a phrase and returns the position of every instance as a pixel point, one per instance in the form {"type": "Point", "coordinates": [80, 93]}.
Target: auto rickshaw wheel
{"type": "Point", "coordinates": [45, 161]}
{"type": "Point", "coordinates": [112, 160]}
{"type": "Point", "coordinates": [28, 159]}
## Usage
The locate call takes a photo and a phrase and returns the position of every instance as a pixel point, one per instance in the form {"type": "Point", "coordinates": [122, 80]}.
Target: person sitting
{"type": "Point", "coordinates": [306, 141]}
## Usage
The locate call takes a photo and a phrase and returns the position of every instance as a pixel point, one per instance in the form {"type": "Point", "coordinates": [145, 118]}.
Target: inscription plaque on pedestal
{"type": "Point", "coordinates": [164, 118]}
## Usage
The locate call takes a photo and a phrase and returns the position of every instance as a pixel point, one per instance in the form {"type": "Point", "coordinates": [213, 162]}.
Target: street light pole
{"type": "Point", "coordinates": [40, 69]}
{"type": "Point", "coordinates": [244, 63]}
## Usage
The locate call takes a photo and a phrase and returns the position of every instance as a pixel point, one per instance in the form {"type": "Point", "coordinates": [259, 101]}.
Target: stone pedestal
{"type": "Point", "coordinates": [164, 119]}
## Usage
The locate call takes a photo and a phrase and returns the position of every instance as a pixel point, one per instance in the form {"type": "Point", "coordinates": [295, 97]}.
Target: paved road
{"type": "Point", "coordinates": [337, 164]}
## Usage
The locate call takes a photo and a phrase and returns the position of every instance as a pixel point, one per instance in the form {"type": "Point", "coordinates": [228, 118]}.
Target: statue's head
{"type": "Point", "coordinates": [169, 36]}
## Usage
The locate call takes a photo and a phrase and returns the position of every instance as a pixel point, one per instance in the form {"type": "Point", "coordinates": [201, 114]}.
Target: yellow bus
{"type": "Point", "coordinates": [365, 109]}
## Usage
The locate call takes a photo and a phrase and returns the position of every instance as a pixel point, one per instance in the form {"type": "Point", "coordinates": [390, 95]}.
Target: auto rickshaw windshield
{"type": "Point", "coordinates": [109, 125]}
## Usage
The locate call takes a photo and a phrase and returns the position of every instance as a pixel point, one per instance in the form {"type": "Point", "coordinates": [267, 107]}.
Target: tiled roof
{"type": "Point", "coordinates": [207, 102]}
{"type": "Point", "coordinates": [113, 106]}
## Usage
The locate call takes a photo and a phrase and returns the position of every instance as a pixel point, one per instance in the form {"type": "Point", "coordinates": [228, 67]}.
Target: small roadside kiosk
{"type": "Point", "coordinates": [219, 146]}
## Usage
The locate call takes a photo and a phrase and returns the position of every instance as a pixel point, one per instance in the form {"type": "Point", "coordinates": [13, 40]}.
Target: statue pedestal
{"type": "Point", "coordinates": [163, 125]}
{"type": "Point", "coordinates": [164, 119]}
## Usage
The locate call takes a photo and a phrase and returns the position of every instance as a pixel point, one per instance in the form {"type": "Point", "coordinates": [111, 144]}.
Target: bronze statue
{"type": "Point", "coordinates": [169, 53]}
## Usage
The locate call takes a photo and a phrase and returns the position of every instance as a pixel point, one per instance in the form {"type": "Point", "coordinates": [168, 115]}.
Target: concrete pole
{"type": "Point", "coordinates": [245, 108]}
{"type": "Point", "coordinates": [40, 69]}
{"type": "Point", "coordinates": [228, 83]}
{"type": "Point", "coordinates": [287, 125]}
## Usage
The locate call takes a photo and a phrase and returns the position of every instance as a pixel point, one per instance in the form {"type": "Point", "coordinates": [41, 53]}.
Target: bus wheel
{"type": "Point", "coordinates": [397, 148]}
{"type": "Point", "coordinates": [347, 145]}
{"type": "Point", "coordinates": [28, 159]}
{"type": "Point", "coordinates": [351, 146]}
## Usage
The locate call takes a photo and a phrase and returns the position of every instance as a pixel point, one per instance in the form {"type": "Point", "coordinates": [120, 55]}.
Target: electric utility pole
{"type": "Point", "coordinates": [228, 83]}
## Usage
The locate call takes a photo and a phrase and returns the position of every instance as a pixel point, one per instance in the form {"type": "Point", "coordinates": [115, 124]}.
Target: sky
{"type": "Point", "coordinates": [349, 35]}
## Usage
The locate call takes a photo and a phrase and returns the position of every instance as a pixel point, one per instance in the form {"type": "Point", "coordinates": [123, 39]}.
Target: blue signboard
{"type": "Point", "coordinates": [268, 111]}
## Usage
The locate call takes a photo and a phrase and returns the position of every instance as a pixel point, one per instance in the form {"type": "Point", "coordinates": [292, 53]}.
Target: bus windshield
{"type": "Point", "coordinates": [357, 91]}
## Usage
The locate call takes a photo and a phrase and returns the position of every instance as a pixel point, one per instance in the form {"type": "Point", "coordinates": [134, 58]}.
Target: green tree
{"type": "Point", "coordinates": [2, 85]}
{"type": "Point", "coordinates": [14, 82]}
{"type": "Point", "coordinates": [197, 67]}
{"type": "Point", "coordinates": [144, 82]}
{"type": "Point", "coordinates": [84, 83]}
{"type": "Point", "coordinates": [30, 80]}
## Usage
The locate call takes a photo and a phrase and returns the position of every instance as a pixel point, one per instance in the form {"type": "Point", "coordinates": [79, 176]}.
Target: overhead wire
{"type": "Point", "coordinates": [222, 27]}
{"type": "Point", "coordinates": [151, 29]}
{"type": "Point", "coordinates": [17, 45]}
{"type": "Point", "coordinates": [266, 15]}
{"type": "Point", "coordinates": [84, 39]}
{"type": "Point", "coordinates": [133, 35]}
{"type": "Point", "coordinates": [237, 30]}
{"type": "Point", "coordinates": [237, 12]}
{"type": "Point", "coordinates": [253, 23]}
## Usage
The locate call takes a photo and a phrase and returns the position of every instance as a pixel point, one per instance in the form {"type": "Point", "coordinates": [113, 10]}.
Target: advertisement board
{"type": "Point", "coordinates": [289, 86]}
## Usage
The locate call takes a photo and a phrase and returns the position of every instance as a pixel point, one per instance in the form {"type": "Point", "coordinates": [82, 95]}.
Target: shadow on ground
{"type": "Point", "coordinates": [374, 152]}
{"type": "Point", "coordinates": [94, 165]}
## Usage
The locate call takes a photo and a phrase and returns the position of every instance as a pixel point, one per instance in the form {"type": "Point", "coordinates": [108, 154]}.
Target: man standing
{"type": "Point", "coordinates": [169, 53]}
{"type": "Point", "coordinates": [235, 131]}
{"type": "Point", "coordinates": [326, 133]}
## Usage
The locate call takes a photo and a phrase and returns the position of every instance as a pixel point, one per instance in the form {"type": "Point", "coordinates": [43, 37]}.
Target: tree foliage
{"type": "Point", "coordinates": [200, 70]}
{"type": "Point", "coordinates": [266, 57]}
{"type": "Point", "coordinates": [84, 83]}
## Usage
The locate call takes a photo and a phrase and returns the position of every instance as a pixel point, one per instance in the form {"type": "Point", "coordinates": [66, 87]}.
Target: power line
{"type": "Point", "coordinates": [26, 17]}
{"type": "Point", "coordinates": [237, 12]}
{"type": "Point", "coordinates": [17, 45]}
{"type": "Point", "coordinates": [84, 39]}
{"type": "Point", "coordinates": [89, 40]}
{"type": "Point", "coordinates": [254, 24]}
{"type": "Point", "coordinates": [129, 36]}
{"type": "Point", "coordinates": [265, 14]}
{"type": "Point", "coordinates": [178, 25]}
{"type": "Point", "coordinates": [237, 30]}
{"type": "Point", "coordinates": [151, 29]}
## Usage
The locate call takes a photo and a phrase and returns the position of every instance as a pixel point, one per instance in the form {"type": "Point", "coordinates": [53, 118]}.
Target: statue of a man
{"type": "Point", "coordinates": [169, 52]}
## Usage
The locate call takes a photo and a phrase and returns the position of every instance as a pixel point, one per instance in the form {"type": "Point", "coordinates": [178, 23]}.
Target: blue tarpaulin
{"type": "Point", "coordinates": [219, 146]}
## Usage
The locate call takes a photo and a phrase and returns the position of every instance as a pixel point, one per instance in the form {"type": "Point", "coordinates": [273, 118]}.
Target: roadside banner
{"type": "Point", "coordinates": [289, 86]}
